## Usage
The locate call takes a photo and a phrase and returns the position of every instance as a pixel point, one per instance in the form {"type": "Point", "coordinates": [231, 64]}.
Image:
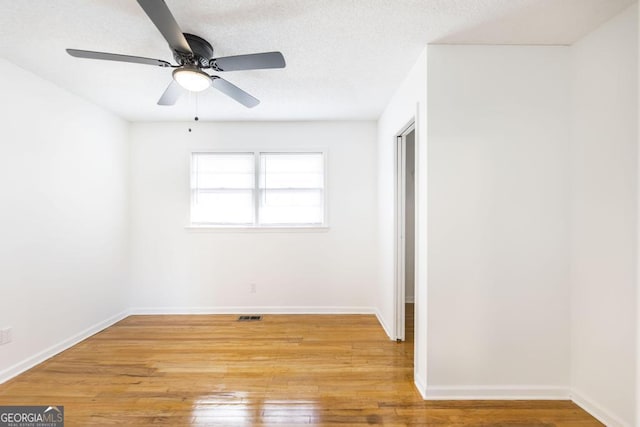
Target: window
{"type": "Point", "coordinates": [222, 188]}
{"type": "Point", "coordinates": [258, 189]}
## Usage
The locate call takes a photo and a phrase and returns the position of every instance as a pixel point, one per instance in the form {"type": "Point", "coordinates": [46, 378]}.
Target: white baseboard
{"type": "Point", "coordinates": [496, 393]}
{"type": "Point", "coordinates": [420, 385]}
{"type": "Point", "coordinates": [409, 299]}
{"type": "Point", "coordinates": [253, 310]}
{"type": "Point", "coordinates": [45, 354]}
{"type": "Point", "coordinates": [598, 412]}
{"type": "Point", "coordinates": [384, 325]}
{"type": "Point", "coordinates": [519, 393]}
{"type": "Point", "coordinates": [264, 310]}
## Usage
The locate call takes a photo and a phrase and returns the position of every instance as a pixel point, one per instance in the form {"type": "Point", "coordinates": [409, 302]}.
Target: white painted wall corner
{"type": "Point", "coordinates": [597, 411]}
{"type": "Point", "coordinates": [386, 328]}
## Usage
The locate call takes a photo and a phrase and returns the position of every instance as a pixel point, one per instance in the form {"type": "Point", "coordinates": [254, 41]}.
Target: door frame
{"type": "Point", "coordinates": [400, 169]}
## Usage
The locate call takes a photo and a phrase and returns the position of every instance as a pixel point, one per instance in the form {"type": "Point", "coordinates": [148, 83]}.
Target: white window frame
{"type": "Point", "coordinates": [256, 192]}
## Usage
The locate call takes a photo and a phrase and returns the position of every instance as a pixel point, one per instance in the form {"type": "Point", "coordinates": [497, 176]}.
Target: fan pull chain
{"type": "Point", "coordinates": [196, 101]}
{"type": "Point", "coordinates": [196, 117]}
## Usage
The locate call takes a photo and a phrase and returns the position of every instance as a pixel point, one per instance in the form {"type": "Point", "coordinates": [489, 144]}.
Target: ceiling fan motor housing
{"type": "Point", "coordinates": [202, 52]}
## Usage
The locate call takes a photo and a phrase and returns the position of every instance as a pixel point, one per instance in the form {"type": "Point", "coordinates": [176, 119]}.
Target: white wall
{"type": "Point", "coordinates": [179, 270]}
{"type": "Point", "coordinates": [604, 219]}
{"type": "Point", "coordinates": [408, 104]}
{"type": "Point", "coordinates": [498, 286]}
{"type": "Point", "coordinates": [63, 218]}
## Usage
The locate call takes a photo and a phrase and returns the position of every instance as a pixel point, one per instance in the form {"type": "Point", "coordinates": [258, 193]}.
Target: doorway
{"type": "Point", "coordinates": [405, 178]}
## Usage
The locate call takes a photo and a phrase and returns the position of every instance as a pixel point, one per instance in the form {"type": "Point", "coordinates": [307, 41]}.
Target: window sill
{"type": "Point", "coordinates": [252, 229]}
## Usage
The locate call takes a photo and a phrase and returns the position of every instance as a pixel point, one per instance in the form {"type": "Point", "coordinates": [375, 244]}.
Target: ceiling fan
{"type": "Point", "coordinates": [193, 54]}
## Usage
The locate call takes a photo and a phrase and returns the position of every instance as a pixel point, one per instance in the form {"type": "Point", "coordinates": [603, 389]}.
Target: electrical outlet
{"type": "Point", "coordinates": [5, 336]}
{"type": "Point", "coordinates": [253, 288]}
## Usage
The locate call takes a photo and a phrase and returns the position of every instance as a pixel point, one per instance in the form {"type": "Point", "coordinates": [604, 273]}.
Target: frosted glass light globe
{"type": "Point", "coordinates": [192, 79]}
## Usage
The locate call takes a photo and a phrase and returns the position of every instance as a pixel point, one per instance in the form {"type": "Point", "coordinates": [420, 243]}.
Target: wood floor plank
{"type": "Point", "coordinates": [206, 370]}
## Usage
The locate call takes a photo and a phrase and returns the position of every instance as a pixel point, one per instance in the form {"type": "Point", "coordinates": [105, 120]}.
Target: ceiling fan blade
{"type": "Point", "coordinates": [115, 57]}
{"type": "Point", "coordinates": [234, 92]}
{"type": "Point", "coordinates": [254, 61]}
{"type": "Point", "coordinates": [162, 18]}
{"type": "Point", "coordinates": [171, 94]}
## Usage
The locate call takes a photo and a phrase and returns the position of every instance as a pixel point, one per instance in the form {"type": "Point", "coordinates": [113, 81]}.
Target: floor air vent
{"type": "Point", "coordinates": [249, 318]}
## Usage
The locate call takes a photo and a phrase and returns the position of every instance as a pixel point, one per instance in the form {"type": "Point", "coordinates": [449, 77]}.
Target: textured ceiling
{"type": "Point", "coordinates": [344, 58]}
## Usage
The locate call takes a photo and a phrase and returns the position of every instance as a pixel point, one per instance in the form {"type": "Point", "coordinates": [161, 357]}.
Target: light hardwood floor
{"type": "Point", "coordinates": [284, 370]}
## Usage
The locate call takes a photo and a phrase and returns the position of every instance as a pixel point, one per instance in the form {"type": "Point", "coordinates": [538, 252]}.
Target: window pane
{"type": "Point", "coordinates": [222, 188]}
{"type": "Point", "coordinates": [222, 170]}
{"type": "Point", "coordinates": [291, 206]}
{"type": "Point", "coordinates": [291, 188]}
{"type": "Point", "coordinates": [291, 170]}
{"type": "Point", "coordinates": [222, 207]}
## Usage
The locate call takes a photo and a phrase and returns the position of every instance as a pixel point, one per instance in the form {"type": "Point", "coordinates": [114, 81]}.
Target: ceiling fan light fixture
{"type": "Point", "coordinates": [192, 53]}
{"type": "Point", "coordinates": [192, 79]}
